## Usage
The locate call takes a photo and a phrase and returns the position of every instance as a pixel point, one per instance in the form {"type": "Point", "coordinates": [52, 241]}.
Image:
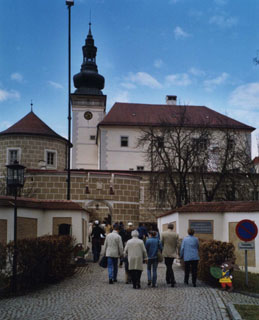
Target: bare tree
{"type": "Point", "coordinates": [196, 163]}
{"type": "Point", "coordinates": [171, 152]}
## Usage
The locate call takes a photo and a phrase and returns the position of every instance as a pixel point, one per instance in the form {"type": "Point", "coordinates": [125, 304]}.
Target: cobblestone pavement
{"type": "Point", "coordinates": [88, 296]}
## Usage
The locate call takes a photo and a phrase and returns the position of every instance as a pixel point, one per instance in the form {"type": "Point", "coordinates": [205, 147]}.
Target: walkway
{"type": "Point", "coordinates": [88, 296]}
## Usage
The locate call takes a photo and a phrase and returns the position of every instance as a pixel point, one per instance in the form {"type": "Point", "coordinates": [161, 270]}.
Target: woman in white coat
{"type": "Point", "coordinates": [136, 252]}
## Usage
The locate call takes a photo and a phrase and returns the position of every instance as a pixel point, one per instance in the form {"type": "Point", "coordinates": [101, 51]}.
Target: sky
{"type": "Point", "coordinates": [202, 51]}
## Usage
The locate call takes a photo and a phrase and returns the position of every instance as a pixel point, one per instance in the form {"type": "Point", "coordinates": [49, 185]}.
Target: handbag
{"type": "Point", "coordinates": [159, 254]}
{"type": "Point", "coordinates": [103, 262]}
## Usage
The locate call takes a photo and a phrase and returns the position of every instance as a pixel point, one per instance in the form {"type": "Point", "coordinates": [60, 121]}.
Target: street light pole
{"type": "Point", "coordinates": [14, 180]}
{"type": "Point", "coordinates": [14, 284]}
{"type": "Point", "coordinates": [69, 5]}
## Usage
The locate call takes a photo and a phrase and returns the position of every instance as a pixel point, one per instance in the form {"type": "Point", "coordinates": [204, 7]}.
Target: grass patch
{"type": "Point", "coordinates": [248, 312]}
{"type": "Point", "coordinates": [239, 282]}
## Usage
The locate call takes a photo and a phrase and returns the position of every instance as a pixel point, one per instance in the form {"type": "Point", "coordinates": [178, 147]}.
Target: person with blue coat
{"type": "Point", "coordinates": [152, 245]}
{"type": "Point", "coordinates": [190, 254]}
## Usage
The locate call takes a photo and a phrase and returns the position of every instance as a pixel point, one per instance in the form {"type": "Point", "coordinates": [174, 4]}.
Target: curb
{"type": "Point", "coordinates": [233, 312]}
{"type": "Point", "coordinates": [254, 295]}
{"type": "Point", "coordinates": [221, 305]}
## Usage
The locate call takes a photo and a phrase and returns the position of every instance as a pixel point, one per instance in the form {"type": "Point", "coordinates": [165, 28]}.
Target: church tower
{"type": "Point", "coordinates": [88, 107]}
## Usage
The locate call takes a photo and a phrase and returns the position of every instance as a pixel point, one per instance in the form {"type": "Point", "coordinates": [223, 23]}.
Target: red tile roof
{"type": "Point", "coordinates": [6, 201]}
{"type": "Point", "coordinates": [32, 125]}
{"type": "Point", "coordinates": [221, 207]}
{"type": "Point", "coordinates": [134, 114]}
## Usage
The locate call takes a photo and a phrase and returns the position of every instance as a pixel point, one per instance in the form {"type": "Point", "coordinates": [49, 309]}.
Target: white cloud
{"type": "Point", "coordinates": [223, 22]}
{"type": "Point", "coordinates": [121, 96]}
{"type": "Point", "coordinates": [55, 84]}
{"type": "Point", "coordinates": [179, 33]}
{"type": "Point", "coordinates": [197, 72]}
{"type": "Point", "coordinates": [180, 79]}
{"type": "Point", "coordinates": [8, 95]}
{"type": "Point", "coordinates": [246, 96]}
{"type": "Point", "coordinates": [212, 83]}
{"type": "Point", "coordinates": [158, 63]}
{"type": "Point", "coordinates": [145, 79]}
{"type": "Point", "coordinates": [128, 85]}
{"type": "Point", "coordinates": [17, 77]}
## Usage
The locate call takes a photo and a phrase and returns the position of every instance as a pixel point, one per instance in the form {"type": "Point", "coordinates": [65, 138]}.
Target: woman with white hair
{"type": "Point", "coordinates": [136, 252]}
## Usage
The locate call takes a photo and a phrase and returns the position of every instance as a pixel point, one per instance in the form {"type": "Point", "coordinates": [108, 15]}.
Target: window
{"type": "Point", "coordinates": [51, 159]}
{"type": "Point", "coordinates": [255, 195]}
{"type": "Point", "coordinates": [200, 144]}
{"type": "Point", "coordinates": [161, 195]}
{"type": "Point", "coordinates": [13, 154]}
{"type": "Point", "coordinates": [160, 142]}
{"type": "Point", "coordinates": [124, 141]}
{"type": "Point", "coordinates": [199, 169]}
{"type": "Point", "coordinates": [230, 144]}
{"type": "Point", "coordinates": [92, 137]}
{"type": "Point", "coordinates": [140, 168]}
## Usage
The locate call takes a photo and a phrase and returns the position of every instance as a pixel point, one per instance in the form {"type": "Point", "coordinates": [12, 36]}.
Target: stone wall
{"type": "Point", "coordinates": [32, 150]}
{"type": "Point", "coordinates": [102, 194]}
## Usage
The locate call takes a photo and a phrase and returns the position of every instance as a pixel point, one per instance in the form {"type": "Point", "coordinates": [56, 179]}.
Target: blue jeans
{"type": "Point", "coordinates": [112, 268]}
{"type": "Point", "coordinates": [152, 264]}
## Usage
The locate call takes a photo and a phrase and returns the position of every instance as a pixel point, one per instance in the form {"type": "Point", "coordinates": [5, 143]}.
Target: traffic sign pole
{"type": "Point", "coordinates": [246, 230]}
{"type": "Point", "coordinates": [246, 268]}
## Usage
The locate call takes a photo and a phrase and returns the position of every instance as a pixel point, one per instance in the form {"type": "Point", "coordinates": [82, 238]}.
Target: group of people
{"type": "Point", "coordinates": [139, 247]}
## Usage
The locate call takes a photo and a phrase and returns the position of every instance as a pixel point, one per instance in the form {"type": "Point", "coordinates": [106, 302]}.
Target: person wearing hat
{"type": "Point", "coordinates": [170, 242]}
{"type": "Point", "coordinates": [97, 235]}
{"type": "Point", "coordinates": [136, 252]}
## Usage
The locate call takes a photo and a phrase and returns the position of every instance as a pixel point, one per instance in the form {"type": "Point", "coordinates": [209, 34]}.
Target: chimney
{"type": "Point", "coordinates": [171, 100]}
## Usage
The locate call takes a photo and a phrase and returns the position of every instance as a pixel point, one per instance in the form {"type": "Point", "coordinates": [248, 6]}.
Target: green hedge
{"type": "Point", "coordinates": [213, 253]}
{"type": "Point", "coordinates": [40, 261]}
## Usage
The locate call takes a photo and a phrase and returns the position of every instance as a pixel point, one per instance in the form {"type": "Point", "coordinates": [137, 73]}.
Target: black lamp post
{"type": "Point", "coordinates": [69, 4]}
{"type": "Point", "coordinates": [15, 180]}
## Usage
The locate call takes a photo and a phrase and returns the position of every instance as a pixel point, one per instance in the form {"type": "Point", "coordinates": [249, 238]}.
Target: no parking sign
{"type": "Point", "coordinates": [246, 230]}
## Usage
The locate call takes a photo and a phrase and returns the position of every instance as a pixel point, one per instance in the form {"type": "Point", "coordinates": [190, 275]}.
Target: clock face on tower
{"type": "Point", "coordinates": [88, 115]}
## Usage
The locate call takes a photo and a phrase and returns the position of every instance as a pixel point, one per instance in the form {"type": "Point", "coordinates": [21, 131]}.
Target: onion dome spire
{"type": "Point", "coordinates": [88, 80]}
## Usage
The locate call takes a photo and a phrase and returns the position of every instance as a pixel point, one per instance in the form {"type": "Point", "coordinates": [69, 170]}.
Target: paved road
{"type": "Point", "coordinates": [88, 296]}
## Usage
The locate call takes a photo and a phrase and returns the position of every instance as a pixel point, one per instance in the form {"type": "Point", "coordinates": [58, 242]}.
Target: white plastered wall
{"type": "Point", "coordinates": [45, 220]}
{"type": "Point", "coordinates": [236, 217]}
{"type": "Point", "coordinates": [121, 158]}
{"type": "Point", "coordinates": [220, 225]}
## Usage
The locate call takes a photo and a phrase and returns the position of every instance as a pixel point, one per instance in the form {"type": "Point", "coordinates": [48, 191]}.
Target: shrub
{"type": "Point", "coordinates": [213, 253]}
{"type": "Point", "coordinates": [42, 260]}
{"type": "Point", "coordinates": [4, 276]}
